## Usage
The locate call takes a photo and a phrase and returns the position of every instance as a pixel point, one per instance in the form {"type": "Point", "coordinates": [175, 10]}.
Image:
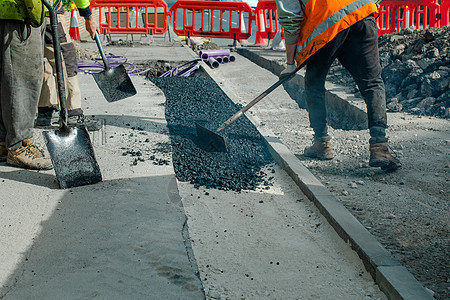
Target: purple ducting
{"type": "Point", "coordinates": [205, 54]}
{"type": "Point", "coordinates": [213, 62]}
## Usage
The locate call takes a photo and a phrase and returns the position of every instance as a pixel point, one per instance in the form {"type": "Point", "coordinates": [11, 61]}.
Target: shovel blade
{"type": "Point", "coordinates": [73, 157]}
{"type": "Point", "coordinates": [209, 140]}
{"type": "Point", "coordinates": [115, 83]}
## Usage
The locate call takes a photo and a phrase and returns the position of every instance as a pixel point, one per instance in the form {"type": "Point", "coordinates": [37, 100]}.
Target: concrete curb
{"type": "Point", "coordinates": [393, 279]}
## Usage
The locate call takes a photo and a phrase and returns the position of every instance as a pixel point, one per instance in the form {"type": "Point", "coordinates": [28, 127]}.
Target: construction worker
{"type": "Point", "coordinates": [318, 32]}
{"type": "Point", "coordinates": [48, 107]}
{"type": "Point", "coordinates": [21, 76]}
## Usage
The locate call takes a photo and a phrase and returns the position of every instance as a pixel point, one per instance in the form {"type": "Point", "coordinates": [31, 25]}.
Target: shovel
{"type": "Point", "coordinates": [114, 83]}
{"type": "Point", "coordinates": [212, 142]}
{"type": "Point", "coordinates": [70, 148]}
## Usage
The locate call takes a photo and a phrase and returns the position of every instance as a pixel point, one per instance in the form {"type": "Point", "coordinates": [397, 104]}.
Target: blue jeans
{"type": "Point", "coordinates": [356, 48]}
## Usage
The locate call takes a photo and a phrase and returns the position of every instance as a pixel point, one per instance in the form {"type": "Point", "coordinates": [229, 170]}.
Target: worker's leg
{"type": "Point", "coordinates": [316, 73]}
{"type": "Point", "coordinates": [317, 69]}
{"type": "Point", "coordinates": [75, 112]}
{"type": "Point", "coordinates": [21, 78]}
{"type": "Point", "coordinates": [71, 84]}
{"type": "Point", "coordinates": [360, 57]}
{"type": "Point", "coordinates": [69, 54]}
{"type": "Point", "coordinates": [48, 97]}
{"type": "Point", "coordinates": [48, 106]}
{"type": "Point", "coordinates": [20, 81]}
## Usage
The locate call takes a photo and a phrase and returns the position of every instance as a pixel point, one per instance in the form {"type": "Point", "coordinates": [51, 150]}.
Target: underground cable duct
{"type": "Point", "coordinates": [213, 62]}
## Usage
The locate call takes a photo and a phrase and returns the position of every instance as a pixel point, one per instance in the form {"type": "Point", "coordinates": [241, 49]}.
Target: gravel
{"type": "Point", "coordinates": [416, 71]}
{"type": "Point", "coordinates": [199, 99]}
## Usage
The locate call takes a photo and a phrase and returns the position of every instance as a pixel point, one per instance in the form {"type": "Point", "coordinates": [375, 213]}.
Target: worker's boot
{"type": "Point", "coordinates": [91, 124]}
{"type": "Point", "coordinates": [47, 116]}
{"type": "Point", "coordinates": [29, 156]}
{"type": "Point", "coordinates": [3, 151]}
{"type": "Point", "coordinates": [380, 157]}
{"type": "Point", "coordinates": [320, 149]}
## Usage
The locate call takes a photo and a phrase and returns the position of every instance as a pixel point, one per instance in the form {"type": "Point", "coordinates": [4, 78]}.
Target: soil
{"type": "Point", "coordinates": [407, 210]}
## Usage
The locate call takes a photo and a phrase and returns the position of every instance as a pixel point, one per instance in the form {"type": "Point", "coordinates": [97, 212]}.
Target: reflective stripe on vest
{"type": "Point", "coordinates": [324, 19]}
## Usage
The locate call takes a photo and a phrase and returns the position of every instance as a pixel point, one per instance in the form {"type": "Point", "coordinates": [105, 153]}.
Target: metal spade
{"type": "Point", "coordinates": [70, 148]}
{"type": "Point", "coordinates": [114, 83]}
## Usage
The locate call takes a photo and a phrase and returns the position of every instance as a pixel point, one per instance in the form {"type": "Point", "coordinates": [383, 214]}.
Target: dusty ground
{"type": "Point", "coordinates": [407, 210]}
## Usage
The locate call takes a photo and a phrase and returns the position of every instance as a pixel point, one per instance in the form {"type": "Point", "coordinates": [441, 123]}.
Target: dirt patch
{"type": "Point", "coordinates": [416, 68]}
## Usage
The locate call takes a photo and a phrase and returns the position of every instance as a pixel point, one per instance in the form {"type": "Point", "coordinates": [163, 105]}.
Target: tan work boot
{"type": "Point", "coordinates": [319, 150]}
{"type": "Point", "coordinates": [380, 157]}
{"type": "Point", "coordinates": [3, 151]}
{"type": "Point", "coordinates": [29, 156]}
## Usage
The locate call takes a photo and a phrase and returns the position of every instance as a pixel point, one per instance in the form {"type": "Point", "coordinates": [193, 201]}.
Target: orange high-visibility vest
{"type": "Point", "coordinates": [324, 19]}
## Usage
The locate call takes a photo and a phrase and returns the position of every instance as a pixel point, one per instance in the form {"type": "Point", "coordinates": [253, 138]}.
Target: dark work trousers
{"type": "Point", "coordinates": [356, 48]}
{"type": "Point", "coordinates": [21, 75]}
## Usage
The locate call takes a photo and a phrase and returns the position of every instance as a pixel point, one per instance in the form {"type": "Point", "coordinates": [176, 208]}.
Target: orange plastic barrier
{"type": "Point", "coordinates": [132, 17]}
{"type": "Point", "coordinates": [395, 15]}
{"type": "Point", "coordinates": [216, 19]}
{"type": "Point", "coordinates": [266, 20]}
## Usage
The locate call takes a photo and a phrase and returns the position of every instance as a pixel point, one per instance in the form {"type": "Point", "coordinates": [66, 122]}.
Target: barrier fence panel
{"type": "Point", "coordinates": [395, 15]}
{"type": "Point", "coordinates": [234, 19]}
{"type": "Point", "coordinates": [445, 13]}
{"type": "Point", "coordinates": [216, 19]}
{"type": "Point", "coordinates": [132, 17]}
{"type": "Point", "coordinates": [266, 18]}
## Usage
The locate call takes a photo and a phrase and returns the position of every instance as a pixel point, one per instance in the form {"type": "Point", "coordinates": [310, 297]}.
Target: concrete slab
{"type": "Point", "coordinates": [123, 238]}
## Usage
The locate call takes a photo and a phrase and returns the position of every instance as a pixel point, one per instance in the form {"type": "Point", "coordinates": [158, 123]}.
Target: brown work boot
{"type": "Point", "coordinates": [29, 156]}
{"type": "Point", "coordinates": [319, 150]}
{"type": "Point", "coordinates": [380, 157]}
{"type": "Point", "coordinates": [3, 151]}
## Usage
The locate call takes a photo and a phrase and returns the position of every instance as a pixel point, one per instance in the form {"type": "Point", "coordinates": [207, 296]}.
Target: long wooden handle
{"type": "Point", "coordinates": [257, 99]}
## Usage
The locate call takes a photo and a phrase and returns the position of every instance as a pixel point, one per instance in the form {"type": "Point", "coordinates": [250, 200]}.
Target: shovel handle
{"type": "Point", "coordinates": [58, 62]}
{"type": "Point", "coordinates": [100, 49]}
{"type": "Point", "coordinates": [257, 99]}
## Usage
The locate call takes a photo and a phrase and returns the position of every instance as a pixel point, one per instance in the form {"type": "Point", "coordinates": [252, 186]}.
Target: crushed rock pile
{"type": "Point", "coordinates": [247, 164]}
{"type": "Point", "coordinates": [416, 71]}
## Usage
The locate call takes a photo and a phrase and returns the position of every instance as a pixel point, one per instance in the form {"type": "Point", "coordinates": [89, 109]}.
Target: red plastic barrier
{"type": "Point", "coordinates": [395, 15]}
{"type": "Point", "coordinates": [212, 19]}
{"type": "Point", "coordinates": [445, 13]}
{"type": "Point", "coordinates": [266, 19]}
{"type": "Point", "coordinates": [132, 17]}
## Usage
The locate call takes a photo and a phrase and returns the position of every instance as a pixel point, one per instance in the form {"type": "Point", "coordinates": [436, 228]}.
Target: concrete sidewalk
{"type": "Point", "coordinates": [123, 238]}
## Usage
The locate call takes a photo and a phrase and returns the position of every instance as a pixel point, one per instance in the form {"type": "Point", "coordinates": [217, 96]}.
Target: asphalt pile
{"type": "Point", "coordinates": [247, 164]}
{"type": "Point", "coordinates": [416, 71]}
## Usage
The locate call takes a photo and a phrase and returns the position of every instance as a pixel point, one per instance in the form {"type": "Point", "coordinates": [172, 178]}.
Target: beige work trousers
{"type": "Point", "coordinates": [49, 92]}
